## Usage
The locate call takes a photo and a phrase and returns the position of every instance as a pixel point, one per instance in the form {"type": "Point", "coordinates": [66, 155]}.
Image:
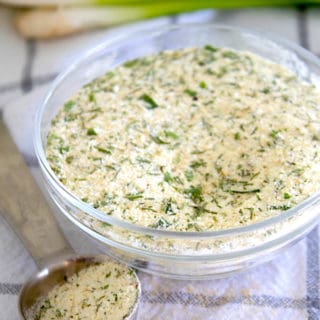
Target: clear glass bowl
{"type": "Point", "coordinates": [186, 255]}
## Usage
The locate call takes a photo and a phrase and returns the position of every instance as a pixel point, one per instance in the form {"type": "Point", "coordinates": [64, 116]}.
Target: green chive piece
{"type": "Point", "coordinates": [91, 132]}
{"type": "Point", "coordinates": [110, 74]}
{"type": "Point", "coordinates": [157, 140]}
{"type": "Point", "coordinates": [150, 103]}
{"type": "Point", "coordinates": [280, 207]}
{"type": "Point", "coordinates": [63, 149]}
{"type": "Point", "coordinates": [274, 133]}
{"type": "Point", "coordinates": [202, 85]}
{"type": "Point", "coordinates": [210, 48]}
{"type": "Point", "coordinates": [189, 175]}
{"type": "Point", "coordinates": [244, 191]}
{"type": "Point", "coordinates": [162, 223]}
{"type": "Point", "coordinates": [58, 313]}
{"type": "Point", "coordinates": [91, 97]}
{"type": "Point", "coordinates": [69, 159]}
{"type": "Point", "coordinates": [105, 224]}
{"type": "Point", "coordinates": [134, 196]}
{"type": "Point", "coordinates": [286, 195]}
{"type": "Point", "coordinates": [198, 163]}
{"type": "Point", "coordinates": [68, 105]}
{"type": "Point", "coordinates": [191, 93]}
{"type": "Point", "coordinates": [142, 160]}
{"type": "Point", "coordinates": [167, 177]}
{"type": "Point", "coordinates": [230, 55]}
{"type": "Point", "coordinates": [195, 193]}
{"type": "Point", "coordinates": [167, 208]}
{"type": "Point", "coordinates": [131, 63]}
{"type": "Point", "coordinates": [170, 134]}
{"type": "Point", "coordinates": [298, 171]}
{"type": "Point", "coordinates": [103, 150]}
{"type": "Point", "coordinates": [265, 90]}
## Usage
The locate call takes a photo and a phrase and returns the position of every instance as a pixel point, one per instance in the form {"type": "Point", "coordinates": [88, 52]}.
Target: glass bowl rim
{"type": "Point", "coordinates": [152, 33]}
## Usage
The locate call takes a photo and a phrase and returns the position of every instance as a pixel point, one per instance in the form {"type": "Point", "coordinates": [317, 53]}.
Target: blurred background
{"type": "Point", "coordinates": [36, 36]}
{"type": "Point", "coordinates": [39, 39]}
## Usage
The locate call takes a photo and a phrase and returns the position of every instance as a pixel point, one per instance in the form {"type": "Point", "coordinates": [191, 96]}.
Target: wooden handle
{"type": "Point", "coordinates": [24, 207]}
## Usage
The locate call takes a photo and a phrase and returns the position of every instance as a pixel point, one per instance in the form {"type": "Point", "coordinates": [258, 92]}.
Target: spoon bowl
{"type": "Point", "coordinates": [39, 285]}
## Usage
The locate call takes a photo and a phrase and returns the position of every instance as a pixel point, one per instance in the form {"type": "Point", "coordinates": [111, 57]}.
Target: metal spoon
{"type": "Point", "coordinates": [24, 207]}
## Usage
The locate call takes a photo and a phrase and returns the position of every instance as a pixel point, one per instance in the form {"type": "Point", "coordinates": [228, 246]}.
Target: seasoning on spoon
{"type": "Point", "coordinates": [104, 290]}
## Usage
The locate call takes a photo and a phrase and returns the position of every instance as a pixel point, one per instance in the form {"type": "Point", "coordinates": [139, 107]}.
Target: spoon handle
{"type": "Point", "coordinates": [24, 207]}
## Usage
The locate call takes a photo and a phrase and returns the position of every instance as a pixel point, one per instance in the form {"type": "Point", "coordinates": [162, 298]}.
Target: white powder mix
{"type": "Point", "coordinates": [190, 140]}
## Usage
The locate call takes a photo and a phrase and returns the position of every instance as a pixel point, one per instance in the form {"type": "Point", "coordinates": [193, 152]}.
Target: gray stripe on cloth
{"type": "Point", "coordinates": [201, 300]}
{"type": "Point", "coordinates": [10, 288]}
{"type": "Point", "coordinates": [26, 82]}
{"type": "Point", "coordinates": [184, 298]}
{"type": "Point", "coordinates": [313, 271]}
{"type": "Point", "coordinates": [44, 79]}
{"type": "Point", "coordinates": [302, 19]}
{"type": "Point", "coordinates": [30, 160]}
{"type": "Point", "coordinates": [37, 80]}
{"type": "Point", "coordinates": [174, 19]}
{"type": "Point", "coordinates": [313, 276]}
{"type": "Point", "coordinates": [9, 87]}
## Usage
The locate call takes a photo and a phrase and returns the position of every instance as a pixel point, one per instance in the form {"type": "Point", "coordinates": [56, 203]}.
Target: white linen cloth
{"type": "Point", "coordinates": [285, 288]}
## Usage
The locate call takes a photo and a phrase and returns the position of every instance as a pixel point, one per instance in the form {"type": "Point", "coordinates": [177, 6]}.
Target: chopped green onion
{"type": "Point", "coordinates": [189, 175]}
{"type": "Point", "coordinates": [167, 177]}
{"type": "Point", "coordinates": [279, 207]}
{"type": "Point", "coordinates": [210, 48]}
{"type": "Point", "coordinates": [157, 140]}
{"type": "Point", "coordinates": [274, 133]}
{"type": "Point", "coordinates": [105, 224]}
{"type": "Point", "coordinates": [149, 102]}
{"type": "Point", "coordinates": [202, 85]}
{"type": "Point", "coordinates": [198, 163]}
{"type": "Point", "coordinates": [170, 134]}
{"type": "Point", "coordinates": [108, 274]}
{"type": "Point", "coordinates": [68, 105]}
{"type": "Point", "coordinates": [265, 90]}
{"type": "Point", "coordinates": [103, 150]}
{"type": "Point", "coordinates": [244, 191]}
{"type": "Point", "coordinates": [230, 55]}
{"type": "Point", "coordinates": [191, 93]}
{"type": "Point", "coordinates": [286, 195]}
{"type": "Point", "coordinates": [162, 223]}
{"type": "Point", "coordinates": [131, 63]}
{"type": "Point", "coordinates": [167, 208]}
{"type": "Point", "coordinates": [91, 132]}
{"type": "Point", "coordinates": [91, 97]}
{"type": "Point", "coordinates": [69, 159]}
{"type": "Point", "coordinates": [134, 196]}
{"type": "Point", "coordinates": [63, 149]}
{"type": "Point", "coordinates": [195, 193]}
